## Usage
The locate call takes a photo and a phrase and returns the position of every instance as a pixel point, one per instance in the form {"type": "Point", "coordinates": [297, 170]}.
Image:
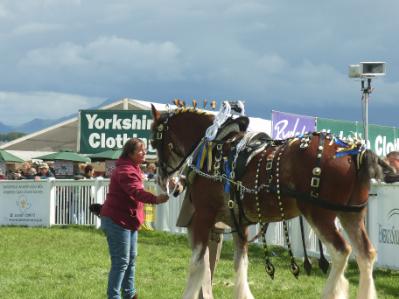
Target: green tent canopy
{"type": "Point", "coordinates": [65, 156]}
{"type": "Point", "coordinates": [9, 158]}
{"type": "Point", "coordinates": [110, 154]}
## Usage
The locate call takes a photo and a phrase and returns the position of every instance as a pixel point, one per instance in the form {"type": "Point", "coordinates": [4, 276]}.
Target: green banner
{"type": "Point", "coordinates": [382, 139]}
{"type": "Point", "coordinates": [107, 129]}
{"type": "Point", "coordinates": [337, 127]}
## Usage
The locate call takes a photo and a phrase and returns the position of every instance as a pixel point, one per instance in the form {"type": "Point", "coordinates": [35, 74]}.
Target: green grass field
{"type": "Point", "coordinates": [72, 262]}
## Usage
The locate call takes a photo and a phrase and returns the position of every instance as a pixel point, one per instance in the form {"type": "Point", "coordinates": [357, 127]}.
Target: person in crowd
{"type": "Point", "coordinates": [88, 172]}
{"type": "Point", "coordinates": [14, 175]}
{"type": "Point", "coordinates": [31, 174]}
{"type": "Point", "coordinates": [151, 170]}
{"type": "Point", "coordinates": [26, 166]}
{"type": "Point", "coordinates": [121, 216]}
{"type": "Point", "coordinates": [44, 171]}
{"type": "Point", "coordinates": [50, 165]}
{"type": "Point", "coordinates": [2, 176]}
{"type": "Point", "coordinates": [393, 160]}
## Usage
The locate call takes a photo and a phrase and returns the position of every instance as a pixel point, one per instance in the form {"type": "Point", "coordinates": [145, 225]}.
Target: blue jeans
{"type": "Point", "coordinates": [122, 244]}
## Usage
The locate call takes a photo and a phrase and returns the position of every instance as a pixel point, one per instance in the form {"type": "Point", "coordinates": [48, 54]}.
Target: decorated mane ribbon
{"type": "Point", "coordinates": [346, 149]}
{"type": "Point", "coordinates": [203, 155]}
{"type": "Point", "coordinates": [209, 158]}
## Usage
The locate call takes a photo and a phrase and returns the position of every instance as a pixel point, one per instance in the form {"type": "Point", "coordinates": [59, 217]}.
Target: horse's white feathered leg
{"type": "Point", "coordinates": [337, 285]}
{"type": "Point", "coordinates": [366, 283]}
{"type": "Point", "coordinates": [196, 273]}
{"type": "Point", "coordinates": [365, 254]}
{"type": "Point", "coordinates": [241, 290]}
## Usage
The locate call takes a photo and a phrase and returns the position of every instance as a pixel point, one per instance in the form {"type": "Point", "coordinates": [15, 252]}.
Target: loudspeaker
{"type": "Point", "coordinates": [372, 69]}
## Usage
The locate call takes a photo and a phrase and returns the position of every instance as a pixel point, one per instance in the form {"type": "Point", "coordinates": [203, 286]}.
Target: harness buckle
{"type": "Point", "coordinates": [269, 164]}
{"type": "Point", "coordinates": [158, 135]}
{"type": "Point", "coordinates": [231, 204]}
{"type": "Point", "coordinates": [315, 182]}
{"type": "Point", "coordinates": [314, 194]}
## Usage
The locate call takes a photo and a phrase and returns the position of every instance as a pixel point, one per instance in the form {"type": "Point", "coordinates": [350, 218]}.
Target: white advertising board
{"type": "Point", "coordinates": [25, 203]}
{"type": "Point", "coordinates": [383, 223]}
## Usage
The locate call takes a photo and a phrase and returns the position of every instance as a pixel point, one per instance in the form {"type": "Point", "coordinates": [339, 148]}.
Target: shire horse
{"type": "Point", "coordinates": [298, 167]}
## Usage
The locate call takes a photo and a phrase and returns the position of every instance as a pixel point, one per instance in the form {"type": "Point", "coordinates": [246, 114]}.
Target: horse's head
{"type": "Point", "coordinates": [175, 135]}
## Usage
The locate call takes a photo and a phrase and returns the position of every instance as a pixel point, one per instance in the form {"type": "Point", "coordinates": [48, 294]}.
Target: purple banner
{"type": "Point", "coordinates": [286, 125]}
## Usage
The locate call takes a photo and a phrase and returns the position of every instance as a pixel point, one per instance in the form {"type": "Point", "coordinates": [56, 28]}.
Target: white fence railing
{"type": "Point", "coordinates": [73, 199]}
{"type": "Point", "coordinates": [62, 202]}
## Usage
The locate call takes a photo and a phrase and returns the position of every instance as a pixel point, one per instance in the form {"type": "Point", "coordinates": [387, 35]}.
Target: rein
{"type": "Point", "coordinates": [185, 159]}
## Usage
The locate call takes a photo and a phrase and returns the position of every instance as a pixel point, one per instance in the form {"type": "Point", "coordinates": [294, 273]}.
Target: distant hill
{"type": "Point", "coordinates": [40, 123]}
{"type": "Point", "coordinates": [4, 128]}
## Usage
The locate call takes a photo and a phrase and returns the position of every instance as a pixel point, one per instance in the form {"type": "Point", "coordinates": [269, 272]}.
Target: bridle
{"type": "Point", "coordinates": [160, 132]}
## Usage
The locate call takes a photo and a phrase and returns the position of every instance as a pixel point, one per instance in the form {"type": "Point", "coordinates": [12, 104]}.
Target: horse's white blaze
{"type": "Point", "coordinates": [196, 274]}
{"type": "Point", "coordinates": [242, 290]}
{"type": "Point", "coordinates": [366, 283]}
{"type": "Point", "coordinates": [337, 286]}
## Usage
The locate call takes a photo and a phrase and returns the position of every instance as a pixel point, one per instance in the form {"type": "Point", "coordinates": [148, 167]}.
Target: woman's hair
{"type": "Point", "coordinates": [130, 147]}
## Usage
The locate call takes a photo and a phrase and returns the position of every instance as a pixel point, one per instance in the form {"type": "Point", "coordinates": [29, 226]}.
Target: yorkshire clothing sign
{"type": "Point", "coordinates": [108, 129]}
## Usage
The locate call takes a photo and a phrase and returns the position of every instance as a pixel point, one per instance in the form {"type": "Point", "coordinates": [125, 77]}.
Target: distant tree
{"type": "Point", "coordinates": [5, 137]}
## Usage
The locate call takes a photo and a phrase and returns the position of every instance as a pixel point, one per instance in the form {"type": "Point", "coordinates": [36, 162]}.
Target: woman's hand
{"type": "Point", "coordinates": [161, 198]}
{"type": "Point", "coordinates": [176, 185]}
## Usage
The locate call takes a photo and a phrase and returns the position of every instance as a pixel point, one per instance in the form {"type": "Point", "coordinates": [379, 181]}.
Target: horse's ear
{"type": "Point", "coordinates": [155, 113]}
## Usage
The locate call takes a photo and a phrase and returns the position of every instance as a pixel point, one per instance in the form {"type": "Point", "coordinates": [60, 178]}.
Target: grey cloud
{"type": "Point", "coordinates": [275, 54]}
{"type": "Point", "coordinates": [36, 28]}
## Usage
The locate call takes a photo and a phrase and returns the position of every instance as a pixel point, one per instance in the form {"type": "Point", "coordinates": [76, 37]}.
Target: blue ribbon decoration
{"type": "Point", "coordinates": [347, 153]}
{"type": "Point", "coordinates": [340, 142]}
{"type": "Point", "coordinates": [227, 171]}
{"type": "Point", "coordinates": [199, 155]}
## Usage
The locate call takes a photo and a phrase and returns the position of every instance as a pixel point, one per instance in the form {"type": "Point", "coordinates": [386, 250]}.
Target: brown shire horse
{"type": "Point", "coordinates": [344, 183]}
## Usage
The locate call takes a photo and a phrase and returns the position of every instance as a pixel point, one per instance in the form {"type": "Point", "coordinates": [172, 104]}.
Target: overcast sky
{"type": "Point", "coordinates": [60, 56]}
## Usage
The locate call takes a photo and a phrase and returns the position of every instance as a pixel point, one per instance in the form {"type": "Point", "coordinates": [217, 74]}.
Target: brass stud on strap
{"type": "Point", "coordinates": [316, 171]}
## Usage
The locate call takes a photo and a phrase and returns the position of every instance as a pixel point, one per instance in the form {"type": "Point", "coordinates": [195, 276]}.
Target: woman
{"type": "Point", "coordinates": [121, 216]}
{"type": "Point", "coordinates": [88, 172]}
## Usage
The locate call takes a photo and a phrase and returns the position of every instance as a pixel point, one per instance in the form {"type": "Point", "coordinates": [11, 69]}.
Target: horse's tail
{"type": "Point", "coordinates": [372, 166]}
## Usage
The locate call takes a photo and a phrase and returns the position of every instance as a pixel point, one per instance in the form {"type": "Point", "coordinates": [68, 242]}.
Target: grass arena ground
{"type": "Point", "coordinates": [72, 262]}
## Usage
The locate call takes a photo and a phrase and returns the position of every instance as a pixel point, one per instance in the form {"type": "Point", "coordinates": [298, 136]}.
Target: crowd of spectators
{"type": "Point", "coordinates": [41, 170]}
{"type": "Point", "coordinates": [30, 171]}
